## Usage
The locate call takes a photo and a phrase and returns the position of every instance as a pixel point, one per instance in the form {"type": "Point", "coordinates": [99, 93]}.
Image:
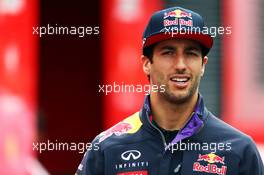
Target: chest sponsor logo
{"type": "Point", "coordinates": [211, 167]}
{"type": "Point", "coordinates": [130, 160]}
{"type": "Point", "coordinates": [134, 173]}
{"type": "Point", "coordinates": [131, 154]}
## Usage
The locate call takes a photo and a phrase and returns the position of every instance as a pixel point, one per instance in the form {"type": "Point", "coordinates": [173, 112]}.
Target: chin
{"type": "Point", "coordinates": [178, 97]}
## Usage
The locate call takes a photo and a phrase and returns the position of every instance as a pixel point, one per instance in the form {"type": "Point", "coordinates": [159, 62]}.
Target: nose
{"type": "Point", "coordinates": [179, 63]}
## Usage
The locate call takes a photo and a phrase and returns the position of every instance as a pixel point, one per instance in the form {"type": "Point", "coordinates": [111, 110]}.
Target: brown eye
{"type": "Point", "coordinates": [192, 53]}
{"type": "Point", "coordinates": [169, 52]}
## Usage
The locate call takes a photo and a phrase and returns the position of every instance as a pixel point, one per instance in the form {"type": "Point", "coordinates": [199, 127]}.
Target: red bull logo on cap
{"type": "Point", "coordinates": [177, 14]}
{"type": "Point", "coordinates": [179, 18]}
{"type": "Point", "coordinates": [211, 166]}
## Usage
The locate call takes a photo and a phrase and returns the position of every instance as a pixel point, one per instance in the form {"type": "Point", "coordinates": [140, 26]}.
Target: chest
{"type": "Point", "coordinates": [149, 158]}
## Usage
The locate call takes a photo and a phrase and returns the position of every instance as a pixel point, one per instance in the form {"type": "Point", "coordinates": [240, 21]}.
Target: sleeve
{"type": "Point", "coordinates": [92, 162]}
{"type": "Point", "coordinates": [251, 163]}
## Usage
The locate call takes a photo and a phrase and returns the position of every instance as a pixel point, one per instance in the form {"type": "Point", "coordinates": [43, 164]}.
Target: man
{"type": "Point", "coordinates": [173, 133]}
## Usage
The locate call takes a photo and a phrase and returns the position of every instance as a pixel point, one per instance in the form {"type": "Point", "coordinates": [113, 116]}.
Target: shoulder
{"type": "Point", "coordinates": [121, 132]}
{"type": "Point", "coordinates": [216, 130]}
{"type": "Point", "coordinates": [218, 127]}
{"type": "Point", "coordinates": [222, 137]}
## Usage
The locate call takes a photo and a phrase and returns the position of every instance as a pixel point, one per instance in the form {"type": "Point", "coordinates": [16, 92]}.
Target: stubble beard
{"type": "Point", "coordinates": [172, 98]}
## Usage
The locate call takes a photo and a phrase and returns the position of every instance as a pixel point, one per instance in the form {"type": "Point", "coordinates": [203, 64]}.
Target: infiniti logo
{"type": "Point", "coordinates": [132, 160]}
{"type": "Point", "coordinates": [127, 155]}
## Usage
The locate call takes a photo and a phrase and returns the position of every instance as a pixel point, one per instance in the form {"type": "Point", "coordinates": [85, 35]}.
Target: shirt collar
{"type": "Point", "coordinates": [192, 126]}
{"type": "Point", "coordinates": [198, 109]}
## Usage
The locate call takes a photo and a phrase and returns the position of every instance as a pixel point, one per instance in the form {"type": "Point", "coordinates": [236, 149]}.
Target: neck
{"type": "Point", "coordinates": [171, 116]}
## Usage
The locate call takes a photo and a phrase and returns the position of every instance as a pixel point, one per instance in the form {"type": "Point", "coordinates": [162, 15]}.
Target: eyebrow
{"type": "Point", "coordinates": [190, 48]}
{"type": "Point", "coordinates": [167, 48]}
{"type": "Point", "coordinates": [193, 48]}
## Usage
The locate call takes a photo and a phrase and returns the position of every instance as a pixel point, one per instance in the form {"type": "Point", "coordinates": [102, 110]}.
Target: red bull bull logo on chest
{"type": "Point", "coordinates": [129, 125]}
{"type": "Point", "coordinates": [118, 129]}
{"type": "Point", "coordinates": [211, 167]}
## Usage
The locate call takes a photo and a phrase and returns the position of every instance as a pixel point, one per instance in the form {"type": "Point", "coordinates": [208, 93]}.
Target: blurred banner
{"type": "Point", "coordinates": [18, 76]}
{"type": "Point", "coordinates": [243, 90]}
{"type": "Point", "coordinates": [123, 23]}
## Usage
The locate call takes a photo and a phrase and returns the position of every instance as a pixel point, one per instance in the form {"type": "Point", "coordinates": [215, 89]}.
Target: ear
{"type": "Point", "coordinates": [205, 60]}
{"type": "Point", "coordinates": [146, 64]}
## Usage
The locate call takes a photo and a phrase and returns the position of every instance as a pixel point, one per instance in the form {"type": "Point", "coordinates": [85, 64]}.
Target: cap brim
{"type": "Point", "coordinates": [203, 39]}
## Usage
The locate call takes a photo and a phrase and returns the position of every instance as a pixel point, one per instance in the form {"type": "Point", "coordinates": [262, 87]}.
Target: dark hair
{"type": "Point", "coordinates": [148, 52]}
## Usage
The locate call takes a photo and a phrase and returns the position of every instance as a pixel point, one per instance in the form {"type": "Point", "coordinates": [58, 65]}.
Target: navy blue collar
{"type": "Point", "coordinates": [192, 126]}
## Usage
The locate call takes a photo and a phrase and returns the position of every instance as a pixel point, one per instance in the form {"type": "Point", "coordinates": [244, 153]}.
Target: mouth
{"type": "Point", "coordinates": [180, 81]}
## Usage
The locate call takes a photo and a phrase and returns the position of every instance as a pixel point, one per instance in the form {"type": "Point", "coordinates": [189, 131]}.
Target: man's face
{"type": "Point", "coordinates": [178, 65]}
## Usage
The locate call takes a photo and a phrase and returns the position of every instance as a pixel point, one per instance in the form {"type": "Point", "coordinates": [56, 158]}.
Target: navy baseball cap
{"type": "Point", "coordinates": [178, 23]}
